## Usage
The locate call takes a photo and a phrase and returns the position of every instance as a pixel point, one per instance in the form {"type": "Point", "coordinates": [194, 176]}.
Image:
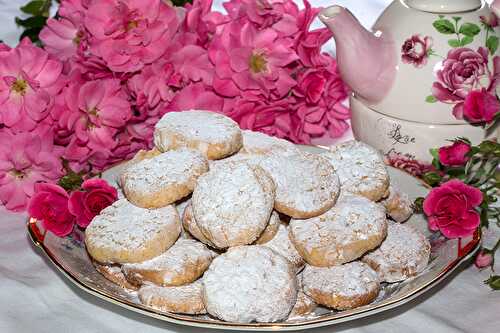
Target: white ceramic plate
{"type": "Point", "coordinates": [70, 257]}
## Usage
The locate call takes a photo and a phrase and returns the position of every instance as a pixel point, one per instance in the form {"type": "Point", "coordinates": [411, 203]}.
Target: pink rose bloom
{"type": "Point", "coordinates": [463, 71]}
{"type": "Point", "coordinates": [130, 34]}
{"type": "Point", "coordinates": [63, 38]}
{"type": "Point", "coordinates": [29, 80]}
{"type": "Point", "coordinates": [196, 96]}
{"type": "Point", "coordinates": [415, 50]}
{"type": "Point", "coordinates": [50, 206]}
{"type": "Point", "coordinates": [200, 23]}
{"type": "Point", "coordinates": [153, 87]}
{"type": "Point", "coordinates": [450, 208]}
{"type": "Point", "coordinates": [309, 47]}
{"type": "Point", "coordinates": [97, 194]}
{"type": "Point", "coordinates": [480, 106]}
{"type": "Point", "coordinates": [83, 158]}
{"type": "Point", "coordinates": [455, 154]}
{"type": "Point", "coordinates": [247, 59]}
{"type": "Point", "coordinates": [490, 20]}
{"type": "Point", "coordinates": [25, 159]}
{"type": "Point", "coordinates": [483, 259]}
{"type": "Point", "coordinates": [94, 110]}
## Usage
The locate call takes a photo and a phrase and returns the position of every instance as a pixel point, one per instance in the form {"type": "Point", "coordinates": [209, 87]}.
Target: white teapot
{"type": "Point", "coordinates": [419, 76]}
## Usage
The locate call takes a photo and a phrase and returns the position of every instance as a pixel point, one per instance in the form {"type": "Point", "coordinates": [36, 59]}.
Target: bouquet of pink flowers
{"type": "Point", "coordinates": [109, 69]}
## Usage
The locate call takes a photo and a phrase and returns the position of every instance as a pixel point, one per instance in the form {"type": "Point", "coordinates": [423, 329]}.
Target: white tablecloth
{"type": "Point", "coordinates": [35, 297]}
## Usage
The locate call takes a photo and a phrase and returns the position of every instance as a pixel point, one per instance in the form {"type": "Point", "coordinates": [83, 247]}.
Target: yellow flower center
{"type": "Point", "coordinates": [94, 112]}
{"type": "Point", "coordinates": [17, 174]}
{"type": "Point", "coordinates": [131, 25]}
{"type": "Point", "coordinates": [258, 63]}
{"type": "Point", "coordinates": [19, 86]}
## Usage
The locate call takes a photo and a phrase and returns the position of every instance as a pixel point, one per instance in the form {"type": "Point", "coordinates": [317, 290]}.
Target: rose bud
{"type": "Point", "coordinates": [483, 259]}
{"type": "Point", "coordinates": [455, 154]}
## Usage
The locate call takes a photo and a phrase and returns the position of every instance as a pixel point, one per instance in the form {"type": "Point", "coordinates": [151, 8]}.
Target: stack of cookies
{"type": "Point", "coordinates": [247, 228]}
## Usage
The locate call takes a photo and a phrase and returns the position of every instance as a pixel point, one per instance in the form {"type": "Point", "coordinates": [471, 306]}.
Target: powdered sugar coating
{"type": "Point", "coordinates": [282, 244]}
{"type": "Point", "coordinates": [270, 230]}
{"type": "Point", "coordinates": [340, 286]}
{"type": "Point", "coordinates": [404, 253]}
{"type": "Point", "coordinates": [344, 233]}
{"type": "Point", "coordinates": [163, 179]}
{"type": "Point", "coordinates": [232, 204]}
{"type": "Point", "coordinates": [213, 134]}
{"type": "Point", "coordinates": [306, 184]}
{"type": "Point", "coordinates": [360, 168]}
{"type": "Point", "coordinates": [124, 233]}
{"type": "Point", "coordinates": [183, 263]}
{"type": "Point", "coordinates": [261, 144]}
{"type": "Point", "coordinates": [185, 299]}
{"type": "Point", "coordinates": [249, 283]}
{"type": "Point", "coordinates": [190, 225]}
{"type": "Point", "coordinates": [398, 205]}
{"type": "Point", "coordinates": [304, 304]}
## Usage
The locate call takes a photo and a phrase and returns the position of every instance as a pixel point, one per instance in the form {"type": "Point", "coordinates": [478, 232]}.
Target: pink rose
{"type": "Point", "coordinates": [462, 71]}
{"type": "Point", "coordinates": [312, 85]}
{"type": "Point", "coordinates": [480, 106]}
{"type": "Point", "coordinates": [97, 194]}
{"type": "Point", "coordinates": [50, 205]}
{"type": "Point", "coordinates": [455, 154]}
{"type": "Point", "coordinates": [415, 50]}
{"type": "Point", "coordinates": [490, 20]}
{"type": "Point", "coordinates": [483, 259]}
{"type": "Point", "coordinates": [450, 208]}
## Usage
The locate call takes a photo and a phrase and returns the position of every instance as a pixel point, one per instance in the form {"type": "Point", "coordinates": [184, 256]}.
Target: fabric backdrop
{"type": "Point", "coordinates": [35, 297]}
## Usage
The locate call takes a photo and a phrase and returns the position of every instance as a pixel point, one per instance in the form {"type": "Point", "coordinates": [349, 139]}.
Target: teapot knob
{"type": "Point", "coordinates": [445, 6]}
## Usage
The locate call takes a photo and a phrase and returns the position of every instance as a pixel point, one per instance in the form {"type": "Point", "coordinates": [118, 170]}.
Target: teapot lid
{"type": "Point", "coordinates": [444, 6]}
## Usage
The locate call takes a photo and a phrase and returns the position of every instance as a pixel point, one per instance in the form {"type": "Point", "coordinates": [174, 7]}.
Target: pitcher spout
{"type": "Point", "coordinates": [367, 61]}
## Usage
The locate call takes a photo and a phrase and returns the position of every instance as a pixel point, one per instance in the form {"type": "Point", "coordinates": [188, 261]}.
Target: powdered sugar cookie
{"type": "Point", "coordinates": [189, 224]}
{"type": "Point", "coordinates": [282, 244]}
{"type": "Point", "coordinates": [304, 304]}
{"type": "Point", "coordinates": [184, 299]}
{"type": "Point", "coordinates": [403, 254]}
{"type": "Point", "coordinates": [183, 263]}
{"type": "Point", "coordinates": [250, 283]}
{"type": "Point", "coordinates": [360, 168]}
{"type": "Point", "coordinates": [341, 287]}
{"type": "Point", "coordinates": [271, 229]}
{"type": "Point", "coordinates": [124, 233]}
{"type": "Point", "coordinates": [232, 204]}
{"type": "Point", "coordinates": [306, 184]}
{"type": "Point", "coordinates": [344, 233]}
{"type": "Point", "coordinates": [398, 206]}
{"type": "Point", "coordinates": [114, 273]}
{"type": "Point", "coordinates": [214, 135]}
{"type": "Point", "coordinates": [262, 144]}
{"type": "Point", "coordinates": [163, 179]}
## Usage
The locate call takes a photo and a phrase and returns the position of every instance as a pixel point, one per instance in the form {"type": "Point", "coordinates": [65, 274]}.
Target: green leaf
{"type": "Point", "coordinates": [431, 99]}
{"type": "Point", "coordinates": [487, 146]}
{"type": "Point", "coordinates": [444, 26]}
{"type": "Point", "coordinates": [466, 40]}
{"type": "Point", "coordinates": [469, 29]}
{"type": "Point", "coordinates": [454, 43]}
{"type": "Point", "coordinates": [72, 181]}
{"type": "Point", "coordinates": [493, 282]}
{"type": "Point", "coordinates": [492, 44]}
{"type": "Point", "coordinates": [34, 8]}
{"type": "Point", "coordinates": [180, 3]}
{"type": "Point", "coordinates": [418, 205]}
{"type": "Point", "coordinates": [32, 22]}
{"type": "Point", "coordinates": [456, 18]}
{"type": "Point", "coordinates": [432, 178]}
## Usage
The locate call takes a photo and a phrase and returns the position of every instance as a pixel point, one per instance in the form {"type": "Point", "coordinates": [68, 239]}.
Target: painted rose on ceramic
{"type": "Point", "coordinates": [466, 77]}
{"type": "Point", "coordinates": [416, 50]}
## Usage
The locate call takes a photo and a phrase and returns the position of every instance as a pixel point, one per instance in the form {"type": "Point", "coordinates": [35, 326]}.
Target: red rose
{"type": "Point", "coordinates": [480, 106]}
{"type": "Point", "coordinates": [97, 194]}
{"type": "Point", "coordinates": [455, 154]}
{"type": "Point", "coordinates": [450, 209]}
{"type": "Point", "coordinates": [49, 204]}
{"type": "Point", "coordinates": [415, 50]}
